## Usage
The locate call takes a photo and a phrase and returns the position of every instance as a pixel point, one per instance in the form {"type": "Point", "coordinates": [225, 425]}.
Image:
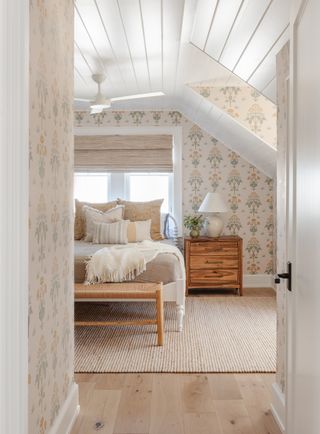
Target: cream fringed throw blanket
{"type": "Point", "coordinates": [119, 263]}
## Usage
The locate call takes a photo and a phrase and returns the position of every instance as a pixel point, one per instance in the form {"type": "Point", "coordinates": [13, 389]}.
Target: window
{"type": "Point", "coordinates": [144, 177]}
{"type": "Point", "coordinates": [142, 187]}
{"type": "Point", "coordinates": [139, 187]}
{"type": "Point", "coordinates": [91, 187]}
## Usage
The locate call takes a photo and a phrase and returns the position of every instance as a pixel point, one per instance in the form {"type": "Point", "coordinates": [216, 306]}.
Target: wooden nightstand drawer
{"type": "Point", "coordinates": [198, 262]}
{"type": "Point", "coordinates": [214, 276]}
{"type": "Point", "coordinates": [214, 248]}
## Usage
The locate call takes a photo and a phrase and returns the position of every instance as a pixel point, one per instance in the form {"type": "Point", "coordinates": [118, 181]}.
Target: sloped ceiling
{"type": "Point", "coordinates": [244, 36]}
{"type": "Point", "coordinates": [152, 45]}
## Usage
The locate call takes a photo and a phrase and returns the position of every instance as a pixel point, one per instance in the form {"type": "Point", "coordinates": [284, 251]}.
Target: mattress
{"type": "Point", "coordinates": [164, 268]}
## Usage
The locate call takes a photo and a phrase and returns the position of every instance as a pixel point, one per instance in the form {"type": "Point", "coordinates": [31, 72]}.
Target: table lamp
{"type": "Point", "coordinates": [212, 205]}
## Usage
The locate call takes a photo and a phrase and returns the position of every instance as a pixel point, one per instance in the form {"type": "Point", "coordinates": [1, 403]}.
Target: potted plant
{"type": "Point", "coordinates": [194, 224]}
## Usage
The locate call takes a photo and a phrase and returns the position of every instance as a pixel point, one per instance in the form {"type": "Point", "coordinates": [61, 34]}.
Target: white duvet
{"type": "Point", "coordinates": [125, 262]}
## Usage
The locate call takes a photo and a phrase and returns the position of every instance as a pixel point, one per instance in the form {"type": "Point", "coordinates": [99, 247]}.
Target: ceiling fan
{"type": "Point", "coordinates": [101, 102]}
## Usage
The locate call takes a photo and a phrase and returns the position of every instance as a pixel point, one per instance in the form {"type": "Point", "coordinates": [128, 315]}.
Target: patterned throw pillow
{"type": "Point", "coordinates": [139, 231]}
{"type": "Point", "coordinates": [79, 220]}
{"type": "Point", "coordinates": [95, 216]}
{"type": "Point", "coordinates": [137, 211]}
{"type": "Point", "coordinates": [111, 233]}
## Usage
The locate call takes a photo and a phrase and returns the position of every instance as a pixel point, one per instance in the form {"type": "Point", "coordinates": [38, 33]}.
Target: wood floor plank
{"type": "Point", "coordinates": [257, 398]}
{"type": "Point", "coordinates": [259, 292]}
{"type": "Point", "coordinates": [86, 378]}
{"type": "Point", "coordinates": [224, 387]}
{"type": "Point", "coordinates": [111, 381]}
{"type": "Point", "coordinates": [233, 417]}
{"type": "Point", "coordinates": [166, 405]}
{"type": "Point", "coordinates": [86, 390]}
{"type": "Point", "coordinates": [201, 423]}
{"type": "Point", "coordinates": [269, 380]}
{"type": "Point", "coordinates": [102, 409]}
{"type": "Point", "coordinates": [134, 409]}
{"type": "Point", "coordinates": [175, 404]}
{"type": "Point", "coordinates": [196, 394]}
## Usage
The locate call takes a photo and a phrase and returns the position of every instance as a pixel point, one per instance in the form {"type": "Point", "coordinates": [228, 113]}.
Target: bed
{"type": "Point", "coordinates": [165, 268]}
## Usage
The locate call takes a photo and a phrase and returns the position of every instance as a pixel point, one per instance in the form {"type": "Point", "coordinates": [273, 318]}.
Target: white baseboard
{"type": "Point", "coordinates": [278, 406]}
{"type": "Point", "coordinates": [258, 281]}
{"type": "Point", "coordinates": [68, 413]}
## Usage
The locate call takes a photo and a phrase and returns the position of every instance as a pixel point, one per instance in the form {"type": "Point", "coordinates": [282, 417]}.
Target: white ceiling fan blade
{"type": "Point", "coordinates": [137, 96]}
{"type": "Point", "coordinates": [101, 102]}
{"type": "Point", "coordinates": [81, 100]}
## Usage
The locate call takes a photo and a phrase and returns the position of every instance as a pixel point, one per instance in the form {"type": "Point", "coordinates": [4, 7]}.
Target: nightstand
{"type": "Point", "coordinates": [214, 262]}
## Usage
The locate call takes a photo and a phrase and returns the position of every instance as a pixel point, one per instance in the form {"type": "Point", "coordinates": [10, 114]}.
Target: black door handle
{"type": "Point", "coordinates": [285, 276]}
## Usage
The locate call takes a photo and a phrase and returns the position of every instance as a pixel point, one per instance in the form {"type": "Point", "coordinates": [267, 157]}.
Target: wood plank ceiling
{"type": "Point", "coordinates": [244, 36]}
{"type": "Point", "coordinates": [134, 42]}
{"type": "Point", "coordinates": [162, 45]}
{"type": "Point", "coordinates": [137, 43]}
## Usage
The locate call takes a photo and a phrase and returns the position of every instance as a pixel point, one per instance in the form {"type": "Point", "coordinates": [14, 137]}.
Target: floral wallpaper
{"type": "Point", "coordinates": [282, 94]}
{"type": "Point", "coordinates": [51, 211]}
{"type": "Point", "coordinates": [245, 104]}
{"type": "Point", "coordinates": [209, 165]}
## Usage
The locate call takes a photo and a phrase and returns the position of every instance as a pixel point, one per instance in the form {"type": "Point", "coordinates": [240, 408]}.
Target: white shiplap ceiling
{"type": "Point", "coordinates": [135, 42]}
{"type": "Point", "coordinates": [244, 36]}
{"type": "Point", "coordinates": [161, 45]}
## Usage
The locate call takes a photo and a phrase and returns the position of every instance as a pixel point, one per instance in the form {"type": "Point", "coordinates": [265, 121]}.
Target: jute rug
{"type": "Point", "coordinates": [221, 334]}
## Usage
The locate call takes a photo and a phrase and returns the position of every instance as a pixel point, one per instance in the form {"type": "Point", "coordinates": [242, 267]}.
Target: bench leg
{"type": "Point", "coordinates": [159, 302]}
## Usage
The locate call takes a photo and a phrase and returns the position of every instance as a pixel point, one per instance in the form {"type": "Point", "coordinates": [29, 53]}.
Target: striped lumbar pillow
{"type": "Point", "coordinates": [93, 215]}
{"type": "Point", "coordinates": [111, 233]}
{"type": "Point", "coordinates": [139, 231]}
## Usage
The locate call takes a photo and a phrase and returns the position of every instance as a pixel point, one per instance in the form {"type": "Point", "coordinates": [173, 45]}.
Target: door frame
{"type": "Point", "coordinates": [297, 10]}
{"type": "Point", "coordinates": [14, 214]}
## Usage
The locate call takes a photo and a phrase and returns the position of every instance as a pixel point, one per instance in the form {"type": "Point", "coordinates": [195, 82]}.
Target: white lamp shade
{"type": "Point", "coordinates": [213, 202]}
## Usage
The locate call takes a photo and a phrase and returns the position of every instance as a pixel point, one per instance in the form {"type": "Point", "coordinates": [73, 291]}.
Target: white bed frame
{"type": "Point", "coordinates": [173, 292]}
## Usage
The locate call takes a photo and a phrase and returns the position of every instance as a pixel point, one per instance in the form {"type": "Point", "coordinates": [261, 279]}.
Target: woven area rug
{"type": "Point", "coordinates": [221, 334]}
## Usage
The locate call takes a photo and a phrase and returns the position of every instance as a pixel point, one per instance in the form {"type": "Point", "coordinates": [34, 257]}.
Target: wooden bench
{"type": "Point", "coordinates": [124, 291]}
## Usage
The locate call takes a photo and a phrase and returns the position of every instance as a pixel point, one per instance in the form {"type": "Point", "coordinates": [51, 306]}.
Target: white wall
{"type": "Point", "coordinates": [14, 50]}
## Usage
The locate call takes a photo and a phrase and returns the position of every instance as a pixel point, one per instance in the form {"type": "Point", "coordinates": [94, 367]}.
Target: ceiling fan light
{"type": "Point", "coordinates": [99, 107]}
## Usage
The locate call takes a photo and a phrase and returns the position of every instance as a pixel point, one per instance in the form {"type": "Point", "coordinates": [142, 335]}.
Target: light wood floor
{"type": "Point", "coordinates": [247, 292]}
{"type": "Point", "coordinates": [177, 403]}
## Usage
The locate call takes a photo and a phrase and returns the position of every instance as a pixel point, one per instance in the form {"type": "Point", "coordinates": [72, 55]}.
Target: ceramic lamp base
{"type": "Point", "coordinates": [215, 226]}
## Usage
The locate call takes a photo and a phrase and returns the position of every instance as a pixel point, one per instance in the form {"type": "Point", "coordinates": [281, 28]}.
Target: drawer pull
{"type": "Point", "coordinates": [214, 248]}
{"type": "Point", "coordinates": [215, 274]}
{"type": "Point", "coordinates": [214, 262]}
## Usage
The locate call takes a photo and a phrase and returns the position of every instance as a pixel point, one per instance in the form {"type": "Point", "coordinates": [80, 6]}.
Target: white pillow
{"type": "Point", "coordinates": [111, 233]}
{"type": "Point", "coordinates": [139, 231]}
{"type": "Point", "coordinates": [94, 215]}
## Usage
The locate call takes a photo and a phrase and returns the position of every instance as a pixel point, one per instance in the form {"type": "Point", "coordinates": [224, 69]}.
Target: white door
{"type": "Point", "coordinates": [303, 380]}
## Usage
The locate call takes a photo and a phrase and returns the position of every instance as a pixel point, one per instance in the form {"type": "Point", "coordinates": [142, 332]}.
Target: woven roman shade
{"type": "Point", "coordinates": [124, 153]}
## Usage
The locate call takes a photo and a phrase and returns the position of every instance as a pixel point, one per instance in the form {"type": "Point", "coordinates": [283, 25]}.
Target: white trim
{"type": "Point", "coordinates": [176, 133]}
{"type": "Point", "coordinates": [14, 213]}
{"type": "Point", "coordinates": [177, 177]}
{"type": "Point", "coordinates": [68, 413]}
{"type": "Point", "coordinates": [258, 281]}
{"type": "Point", "coordinates": [278, 406]}
{"type": "Point", "coordinates": [118, 186]}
